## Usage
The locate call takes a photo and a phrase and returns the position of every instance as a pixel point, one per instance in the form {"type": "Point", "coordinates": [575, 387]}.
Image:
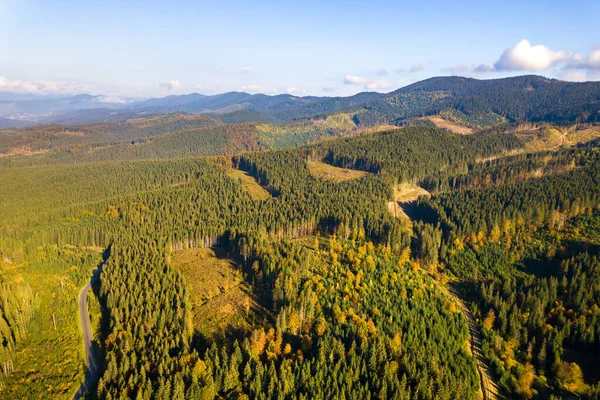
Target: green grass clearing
{"type": "Point", "coordinates": [256, 191]}
{"type": "Point", "coordinates": [553, 138]}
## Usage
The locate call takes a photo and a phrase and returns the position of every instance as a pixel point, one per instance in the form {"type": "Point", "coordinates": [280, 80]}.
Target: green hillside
{"type": "Point", "coordinates": [460, 104]}
{"type": "Point", "coordinates": [307, 269]}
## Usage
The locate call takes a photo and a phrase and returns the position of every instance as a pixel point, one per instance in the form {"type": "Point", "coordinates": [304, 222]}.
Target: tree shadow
{"type": "Point", "coordinates": [547, 267]}
{"type": "Point", "coordinates": [99, 337]}
{"type": "Point", "coordinates": [257, 315]}
{"type": "Point", "coordinates": [419, 212]}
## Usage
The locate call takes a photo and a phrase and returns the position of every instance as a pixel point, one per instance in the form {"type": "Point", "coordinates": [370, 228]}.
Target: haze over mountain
{"type": "Point", "coordinates": [230, 123]}
{"type": "Point", "coordinates": [528, 97]}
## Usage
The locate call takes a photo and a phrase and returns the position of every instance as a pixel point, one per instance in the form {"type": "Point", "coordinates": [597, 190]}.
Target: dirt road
{"type": "Point", "coordinates": [91, 373]}
{"type": "Point", "coordinates": [489, 387]}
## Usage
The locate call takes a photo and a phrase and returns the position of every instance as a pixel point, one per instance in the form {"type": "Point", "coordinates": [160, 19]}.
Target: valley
{"type": "Point", "coordinates": [403, 245]}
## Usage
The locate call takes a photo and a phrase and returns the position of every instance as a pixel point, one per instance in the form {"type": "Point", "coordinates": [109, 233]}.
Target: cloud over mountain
{"type": "Point", "coordinates": [379, 85]}
{"type": "Point", "coordinates": [355, 80]}
{"type": "Point", "coordinates": [171, 85]}
{"type": "Point", "coordinates": [484, 67]}
{"type": "Point", "coordinates": [41, 87]}
{"type": "Point", "coordinates": [258, 88]}
{"type": "Point", "coordinates": [416, 67]}
{"type": "Point", "coordinates": [368, 84]}
{"type": "Point", "coordinates": [525, 57]}
{"type": "Point", "coordinates": [592, 61]}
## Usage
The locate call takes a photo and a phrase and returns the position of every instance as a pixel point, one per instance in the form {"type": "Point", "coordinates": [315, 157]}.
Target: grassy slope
{"type": "Point", "coordinates": [405, 193]}
{"type": "Point", "coordinates": [195, 141]}
{"type": "Point", "coordinates": [552, 137]}
{"type": "Point", "coordinates": [222, 300]}
{"type": "Point", "coordinates": [256, 191]}
{"type": "Point", "coordinates": [49, 363]}
{"type": "Point", "coordinates": [334, 174]}
{"type": "Point", "coordinates": [451, 126]}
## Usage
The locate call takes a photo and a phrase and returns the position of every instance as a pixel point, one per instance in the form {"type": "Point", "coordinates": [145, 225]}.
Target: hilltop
{"type": "Point", "coordinates": [230, 123]}
{"type": "Point", "coordinates": [522, 98]}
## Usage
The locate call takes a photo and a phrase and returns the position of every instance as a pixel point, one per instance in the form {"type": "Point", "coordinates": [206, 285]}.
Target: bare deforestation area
{"type": "Point", "coordinates": [449, 125]}
{"type": "Point", "coordinates": [553, 137]}
{"type": "Point", "coordinates": [250, 184]}
{"type": "Point", "coordinates": [334, 174]}
{"type": "Point", "coordinates": [404, 194]}
{"type": "Point", "coordinates": [222, 302]}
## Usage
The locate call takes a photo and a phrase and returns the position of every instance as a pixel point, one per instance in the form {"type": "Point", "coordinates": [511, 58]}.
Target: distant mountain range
{"type": "Point", "coordinates": [470, 101]}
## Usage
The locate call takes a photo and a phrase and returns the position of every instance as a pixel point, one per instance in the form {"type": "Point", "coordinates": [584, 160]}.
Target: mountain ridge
{"type": "Point", "coordinates": [522, 98]}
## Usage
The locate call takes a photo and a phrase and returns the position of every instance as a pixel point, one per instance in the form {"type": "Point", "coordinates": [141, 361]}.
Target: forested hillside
{"type": "Point", "coordinates": [192, 124]}
{"type": "Point", "coordinates": [481, 103]}
{"type": "Point", "coordinates": [522, 235]}
{"type": "Point", "coordinates": [524, 98]}
{"type": "Point", "coordinates": [163, 136]}
{"type": "Point", "coordinates": [340, 297]}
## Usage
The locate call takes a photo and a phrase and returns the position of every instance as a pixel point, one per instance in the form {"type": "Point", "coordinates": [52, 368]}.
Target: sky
{"type": "Point", "coordinates": [127, 49]}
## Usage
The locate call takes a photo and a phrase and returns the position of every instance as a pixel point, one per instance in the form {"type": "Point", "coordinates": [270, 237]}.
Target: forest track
{"type": "Point", "coordinates": [488, 384]}
{"type": "Point", "coordinates": [489, 387]}
{"type": "Point", "coordinates": [91, 373]}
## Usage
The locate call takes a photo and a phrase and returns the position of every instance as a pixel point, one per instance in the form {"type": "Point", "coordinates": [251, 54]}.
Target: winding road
{"type": "Point", "coordinates": [91, 373]}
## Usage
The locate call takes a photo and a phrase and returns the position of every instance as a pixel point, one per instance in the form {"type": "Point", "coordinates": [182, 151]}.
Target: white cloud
{"type": "Point", "coordinates": [368, 84]}
{"type": "Point", "coordinates": [382, 72]}
{"type": "Point", "coordinates": [210, 88]}
{"type": "Point", "coordinates": [355, 80]}
{"type": "Point", "coordinates": [484, 67]}
{"type": "Point", "coordinates": [295, 91]}
{"type": "Point", "coordinates": [470, 70]}
{"type": "Point", "coordinates": [458, 69]}
{"type": "Point", "coordinates": [525, 57]}
{"type": "Point", "coordinates": [592, 61]}
{"type": "Point", "coordinates": [580, 75]}
{"type": "Point", "coordinates": [574, 75]}
{"type": "Point", "coordinates": [41, 87]}
{"type": "Point", "coordinates": [171, 85]}
{"type": "Point", "coordinates": [416, 67]}
{"type": "Point", "coordinates": [248, 73]}
{"type": "Point", "coordinates": [329, 88]}
{"type": "Point", "coordinates": [112, 99]}
{"type": "Point", "coordinates": [258, 89]}
{"type": "Point", "coordinates": [379, 85]}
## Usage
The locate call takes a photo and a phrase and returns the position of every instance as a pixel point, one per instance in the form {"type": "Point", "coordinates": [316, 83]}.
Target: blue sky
{"type": "Point", "coordinates": [130, 48]}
